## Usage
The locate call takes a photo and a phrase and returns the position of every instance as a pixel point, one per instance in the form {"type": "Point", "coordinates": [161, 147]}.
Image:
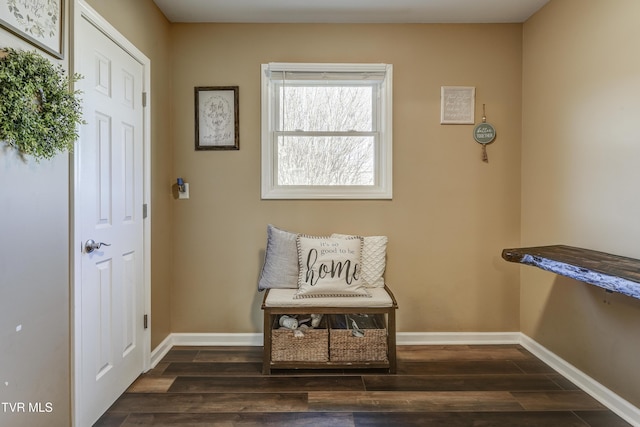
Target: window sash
{"type": "Point", "coordinates": [279, 108]}
{"type": "Point", "coordinates": [306, 71]}
{"type": "Point", "coordinates": [360, 174]}
{"type": "Point", "coordinates": [377, 76]}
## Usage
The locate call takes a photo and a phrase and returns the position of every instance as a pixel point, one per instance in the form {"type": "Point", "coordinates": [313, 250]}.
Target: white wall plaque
{"type": "Point", "coordinates": [457, 105]}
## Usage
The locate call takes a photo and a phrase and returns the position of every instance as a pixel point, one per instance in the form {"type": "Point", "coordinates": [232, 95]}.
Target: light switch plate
{"type": "Point", "coordinates": [184, 194]}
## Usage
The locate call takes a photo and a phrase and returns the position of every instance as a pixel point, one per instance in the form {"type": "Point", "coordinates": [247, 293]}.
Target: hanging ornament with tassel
{"type": "Point", "coordinates": [484, 134]}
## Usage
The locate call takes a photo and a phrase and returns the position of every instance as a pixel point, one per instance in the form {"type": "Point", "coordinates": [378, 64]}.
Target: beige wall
{"type": "Point", "coordinates": [142, 23]}
{"type": "Point", "coordinates": [580, 177]}
{"type": "Point", "coordinates": [451, 214]}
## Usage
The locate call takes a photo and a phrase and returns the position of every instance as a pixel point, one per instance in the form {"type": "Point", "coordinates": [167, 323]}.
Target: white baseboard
{"type": "Point", "coordinates": [160, 351]}
{"type": "Point", "coordinates": [203, 339]}
{"type": "Point", "coordinates": [608, 398]}
{"type": "Point", "coordinates": [403, 338]}
{"type": "Point", "coordinates": [217, 339]}
{"type": "Point", "coordinates": [460, 338]}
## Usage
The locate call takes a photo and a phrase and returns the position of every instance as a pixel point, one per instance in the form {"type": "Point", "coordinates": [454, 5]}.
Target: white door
{"type": "Point", "coordinates": [110, 290]}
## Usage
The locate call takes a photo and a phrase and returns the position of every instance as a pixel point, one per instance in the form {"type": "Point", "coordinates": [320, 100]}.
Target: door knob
{"type": "Point", "coordinates": [91, 245]}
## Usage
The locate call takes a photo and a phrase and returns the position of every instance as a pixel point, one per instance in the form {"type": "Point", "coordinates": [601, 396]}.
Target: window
{"type": "Point", "coordinates": [326, 131]}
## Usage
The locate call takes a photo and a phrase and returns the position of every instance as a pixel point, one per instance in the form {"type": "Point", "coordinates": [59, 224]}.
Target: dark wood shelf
{"type": "Point", "coordinates": [612, 272]}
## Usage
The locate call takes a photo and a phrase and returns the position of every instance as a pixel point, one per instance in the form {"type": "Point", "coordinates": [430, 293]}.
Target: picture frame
{"type": "Point", "coordinates": [38, 22]}
{"type": "Point", "coordinates": [217, 120]}
{"type": "Point", "coordinates": [457, 105]}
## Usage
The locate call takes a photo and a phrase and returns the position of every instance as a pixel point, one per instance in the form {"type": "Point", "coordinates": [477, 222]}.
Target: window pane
{"type": "Point", "coordinates": [326, 160]}
{"type": "Point", "coordinates": [326, 108]}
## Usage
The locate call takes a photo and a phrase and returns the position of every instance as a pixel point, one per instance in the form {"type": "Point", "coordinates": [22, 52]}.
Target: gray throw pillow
{"type": "Point", "coordinates": [280, 269]}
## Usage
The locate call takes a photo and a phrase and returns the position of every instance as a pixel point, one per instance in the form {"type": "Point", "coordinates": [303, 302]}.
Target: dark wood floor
{"type": "Point", "coordinates": [448, 386]}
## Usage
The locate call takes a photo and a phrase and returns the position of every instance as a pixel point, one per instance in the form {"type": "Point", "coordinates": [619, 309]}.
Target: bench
{"type": "Point", "coordinates": [381, 305]}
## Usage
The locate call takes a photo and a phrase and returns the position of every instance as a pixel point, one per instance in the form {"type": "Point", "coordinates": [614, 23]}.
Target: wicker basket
{"type": "Point", "coordinates": [369, 346]}
{"type": "Point", "coordinates": [312, 346]}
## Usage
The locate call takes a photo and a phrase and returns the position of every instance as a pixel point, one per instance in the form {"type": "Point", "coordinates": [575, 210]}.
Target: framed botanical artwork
{"type": "Point", "coordinates": [217, 121]}
{"type": "Point", "coordinates": [39, 22]}
{"type": "Point", "coordinates": [457, 105]}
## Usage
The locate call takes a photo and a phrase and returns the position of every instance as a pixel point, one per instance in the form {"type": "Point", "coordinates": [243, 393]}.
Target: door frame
{"type": "Point", "coordinates": [81, 10]}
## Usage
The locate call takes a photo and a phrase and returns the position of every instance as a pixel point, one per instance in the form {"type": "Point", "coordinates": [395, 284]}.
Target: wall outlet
{"type": "Point", "coordinates": [184, 194]}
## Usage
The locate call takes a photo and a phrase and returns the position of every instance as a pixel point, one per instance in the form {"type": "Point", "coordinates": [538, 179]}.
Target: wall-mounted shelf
{"type": "Point", "coordinates": [611, 272]}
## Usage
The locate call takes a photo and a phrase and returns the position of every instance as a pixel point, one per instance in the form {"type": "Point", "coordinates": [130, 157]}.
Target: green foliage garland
{"type": "Point", "coordinates": [38, 112]}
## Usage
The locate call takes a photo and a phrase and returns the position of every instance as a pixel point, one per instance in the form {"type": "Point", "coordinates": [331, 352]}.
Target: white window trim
{"type": "Point", "coordinates": [382, 189]}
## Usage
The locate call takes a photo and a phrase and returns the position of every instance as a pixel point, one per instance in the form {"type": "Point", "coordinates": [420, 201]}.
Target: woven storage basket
{"type": "Point", "coordinates": [345, 347]}
{"type": "Point", "coordinates": [313, 346]}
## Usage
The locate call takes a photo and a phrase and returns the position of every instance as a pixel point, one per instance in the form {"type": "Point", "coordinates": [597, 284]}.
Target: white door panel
{"type": "Point", "coordinates": [110, 175]}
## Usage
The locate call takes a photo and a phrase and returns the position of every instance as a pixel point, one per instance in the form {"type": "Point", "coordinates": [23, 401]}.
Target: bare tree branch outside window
{"type": "Point", "coordinates": [326, 135]}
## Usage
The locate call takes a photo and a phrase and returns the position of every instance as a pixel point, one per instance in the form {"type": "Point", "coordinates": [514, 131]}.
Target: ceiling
{"type": "Point", "coordinates": [350, 11]}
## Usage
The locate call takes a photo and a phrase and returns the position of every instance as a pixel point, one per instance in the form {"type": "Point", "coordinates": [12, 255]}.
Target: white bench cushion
{"type": "Point", "coordinates": [285, 298]}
